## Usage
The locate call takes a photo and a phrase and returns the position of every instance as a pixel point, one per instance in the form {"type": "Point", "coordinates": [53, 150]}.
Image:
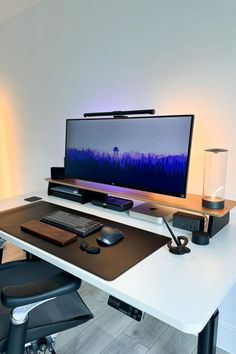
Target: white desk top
{"type": "Point", "coordinates": [183, 291]}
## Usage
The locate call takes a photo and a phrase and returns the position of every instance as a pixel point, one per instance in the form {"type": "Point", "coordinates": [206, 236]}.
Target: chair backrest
{"type": "Point", "coordinates": [25, 282]}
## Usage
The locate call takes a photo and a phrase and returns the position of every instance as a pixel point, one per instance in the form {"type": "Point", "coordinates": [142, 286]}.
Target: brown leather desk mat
{"type": "Point", "coordinates": [108, 264]}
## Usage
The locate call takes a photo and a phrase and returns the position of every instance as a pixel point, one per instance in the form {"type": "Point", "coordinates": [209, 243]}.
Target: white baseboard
{"type": "Point", "coordinates": [226, 338]}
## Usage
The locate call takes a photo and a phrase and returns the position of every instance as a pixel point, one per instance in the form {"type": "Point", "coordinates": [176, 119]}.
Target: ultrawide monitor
{"type": "Point", "coordinates": [142, 153]}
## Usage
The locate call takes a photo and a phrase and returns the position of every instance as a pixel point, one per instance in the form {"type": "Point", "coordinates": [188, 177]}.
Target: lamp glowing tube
{"type": "Point", "coordinates": [214, 178]}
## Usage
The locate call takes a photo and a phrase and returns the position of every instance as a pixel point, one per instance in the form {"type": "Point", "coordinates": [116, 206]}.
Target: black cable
{"type": "Point", "coordinates": [178, 243]}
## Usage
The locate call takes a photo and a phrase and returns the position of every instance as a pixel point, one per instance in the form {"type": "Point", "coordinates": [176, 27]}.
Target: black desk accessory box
{"type": "Point", "coordinates": [187, 221]}
{"type": "Point", "coordinates": [113, 203]}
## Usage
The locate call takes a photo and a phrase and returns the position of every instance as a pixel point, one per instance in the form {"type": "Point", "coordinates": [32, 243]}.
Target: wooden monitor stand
{"type": "Point", "coordinates": [218, 218]}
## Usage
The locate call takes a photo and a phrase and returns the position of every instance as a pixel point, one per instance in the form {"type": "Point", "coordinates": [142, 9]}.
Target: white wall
{"type": "Point", "coordinates": [65, 57]}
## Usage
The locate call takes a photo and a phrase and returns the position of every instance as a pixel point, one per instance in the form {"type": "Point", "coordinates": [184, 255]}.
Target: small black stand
{"type": "Point", "coordinates": [200, 238]}
{"type": "Point", "coordinates": [180, 247]}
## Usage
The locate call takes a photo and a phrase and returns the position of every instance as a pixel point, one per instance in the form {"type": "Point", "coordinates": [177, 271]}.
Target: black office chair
{"type": "Point", "coordinates": [37, 300]}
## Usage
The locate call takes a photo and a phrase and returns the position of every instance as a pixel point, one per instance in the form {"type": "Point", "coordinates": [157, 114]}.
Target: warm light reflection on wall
{"type": "Point", "coordinates": [205, 133]}
{"type": "Point", "coordinates": [9, 173]}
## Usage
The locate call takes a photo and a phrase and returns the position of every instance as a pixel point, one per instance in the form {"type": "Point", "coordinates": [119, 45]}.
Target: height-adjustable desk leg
{"type": "Point", "coordinates": [207, 337]}
{"type": "Point", "coordinates": [2, 241]}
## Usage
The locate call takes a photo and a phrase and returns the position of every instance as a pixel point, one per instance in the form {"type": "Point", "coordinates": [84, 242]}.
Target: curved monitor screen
{"type": "Point", "coordinates": [145, 153]}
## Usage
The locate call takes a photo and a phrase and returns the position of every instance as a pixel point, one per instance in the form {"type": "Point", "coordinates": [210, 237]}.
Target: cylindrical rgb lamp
{"type": "Point", "coordinates": [214, 178]}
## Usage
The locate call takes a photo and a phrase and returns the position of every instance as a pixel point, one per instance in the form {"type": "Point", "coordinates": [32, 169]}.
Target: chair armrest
{"type": "Point", "coordinates": [24, 294]}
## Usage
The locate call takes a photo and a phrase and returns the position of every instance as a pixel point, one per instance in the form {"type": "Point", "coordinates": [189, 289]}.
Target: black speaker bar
{"type": "Point", "coordinates": [119, 113]}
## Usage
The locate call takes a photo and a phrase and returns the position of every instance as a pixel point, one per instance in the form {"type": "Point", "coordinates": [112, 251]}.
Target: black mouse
{"type": "Point", "coordinates": [109, 236]}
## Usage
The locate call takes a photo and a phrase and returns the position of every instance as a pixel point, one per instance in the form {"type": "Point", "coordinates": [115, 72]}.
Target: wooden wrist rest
{"type": "Point", "coordinates": [48, 232]}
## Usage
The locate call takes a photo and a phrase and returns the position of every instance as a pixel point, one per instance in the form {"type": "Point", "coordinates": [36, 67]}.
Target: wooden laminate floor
{"type": "Point", "coordinates": [111, 332]}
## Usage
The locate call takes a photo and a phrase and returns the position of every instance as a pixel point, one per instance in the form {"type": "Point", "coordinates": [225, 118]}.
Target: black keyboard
{"type": "Point", "coordinates": [71, 222]}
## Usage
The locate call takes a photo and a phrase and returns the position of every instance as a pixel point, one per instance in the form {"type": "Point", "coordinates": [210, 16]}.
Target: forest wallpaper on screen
{"type": "Point", "coordinates": [150, 172]}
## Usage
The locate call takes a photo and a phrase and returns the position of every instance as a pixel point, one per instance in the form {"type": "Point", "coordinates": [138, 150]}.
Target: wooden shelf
{"type": "Point", "coordinates": [192, 202]}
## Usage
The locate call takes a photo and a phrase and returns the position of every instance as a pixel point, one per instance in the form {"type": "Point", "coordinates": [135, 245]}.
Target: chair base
{"type": "Point", "coordinates": [41, 345]}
